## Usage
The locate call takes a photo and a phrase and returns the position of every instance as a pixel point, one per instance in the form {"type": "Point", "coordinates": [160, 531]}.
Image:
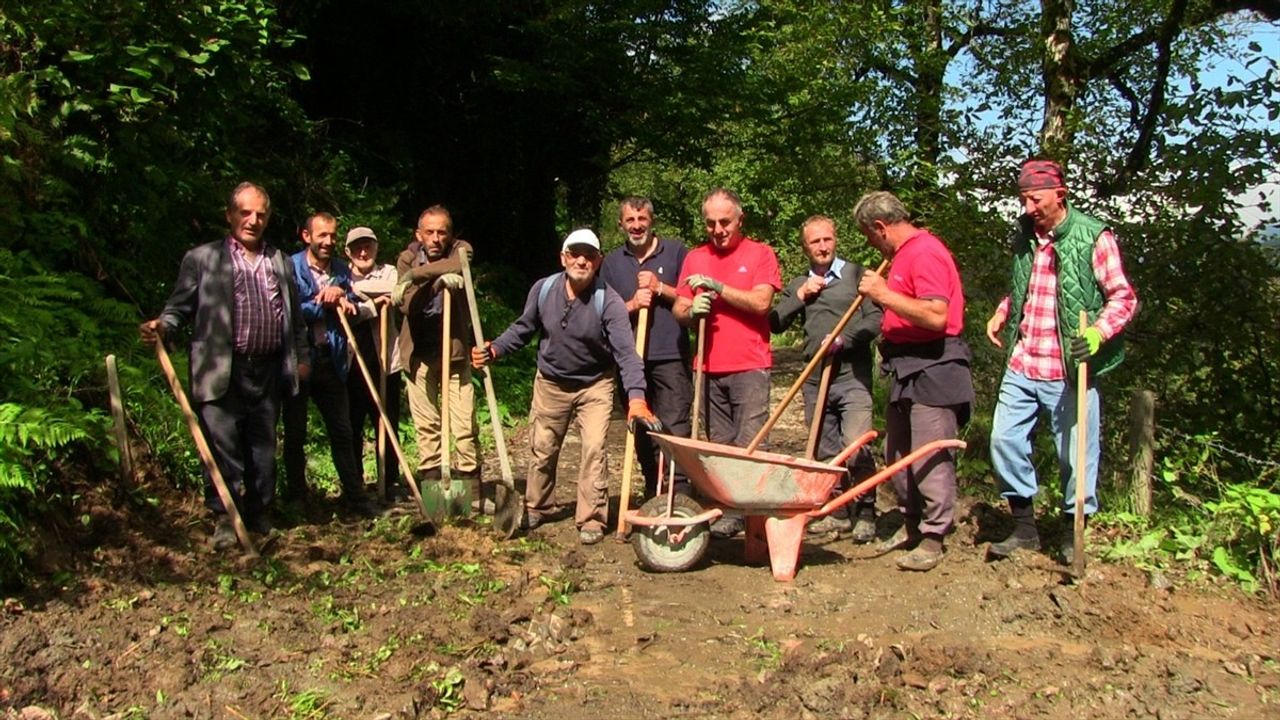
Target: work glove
{"type": "Point", "coordinates": [705, 282]}
{"type": "Point", "coordinates": [702, 305]}
{"type": "Point", "coordinates": [483, 356]}
{"type": "Point", "coordinates": [449, 281]}
{"type": "Point", "coordinates": [1086, 344]}
{"type": "Point", "coordinates": [397, 293]}
{"type": "Point", "coordinates": [639, 415]}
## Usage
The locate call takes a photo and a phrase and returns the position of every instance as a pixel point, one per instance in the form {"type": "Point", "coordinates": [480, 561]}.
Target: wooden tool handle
{"type": "Point", "coordinates": [809, 368]}
{"type": "Point", "coordinates": [206, 453]}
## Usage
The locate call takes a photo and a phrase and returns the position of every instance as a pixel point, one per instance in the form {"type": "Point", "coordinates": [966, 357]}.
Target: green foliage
{"type": "Point", "coordinates": [1247, 520]}
{"type": "Point", "coordinates": [1204, 521]}
{"type": "Point", "coordinates": [51, 326]}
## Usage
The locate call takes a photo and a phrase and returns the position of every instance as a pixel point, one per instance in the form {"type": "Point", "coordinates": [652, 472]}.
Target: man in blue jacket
{"type": "Point", "coordinates": [324, 289]}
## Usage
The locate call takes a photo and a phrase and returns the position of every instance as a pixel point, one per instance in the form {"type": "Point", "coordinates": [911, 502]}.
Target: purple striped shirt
{"type": "Point", "coordinates": [258, 314]}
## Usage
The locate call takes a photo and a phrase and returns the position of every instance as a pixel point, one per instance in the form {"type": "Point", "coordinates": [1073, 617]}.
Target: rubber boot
{"type": "Point", "coordinates": [1024, 535]}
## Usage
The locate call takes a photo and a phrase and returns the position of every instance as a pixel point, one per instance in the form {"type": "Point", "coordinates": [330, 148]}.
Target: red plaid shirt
{"type": "Point", "coordinates": [1038, 354]}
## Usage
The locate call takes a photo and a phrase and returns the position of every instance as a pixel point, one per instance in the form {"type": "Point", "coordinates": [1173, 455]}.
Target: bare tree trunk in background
{"type": "Point", "coordinates": [1062, 80]}
{"type": "Point", "coordinates": [930, 65]}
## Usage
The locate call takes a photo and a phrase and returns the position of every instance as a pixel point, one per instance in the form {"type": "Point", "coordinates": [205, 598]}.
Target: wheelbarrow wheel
{"type": "Point", "coordinates": [652, 543]}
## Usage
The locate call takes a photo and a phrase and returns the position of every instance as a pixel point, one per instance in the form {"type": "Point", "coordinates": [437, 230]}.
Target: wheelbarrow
{"type": "Point", "coordinates": [776, 495]}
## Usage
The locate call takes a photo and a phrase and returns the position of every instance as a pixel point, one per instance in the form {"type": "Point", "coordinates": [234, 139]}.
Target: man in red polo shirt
{"type": "Point", "coordinates": [931, 390]}
{"type": "Point", "coordinates": [731, 280]}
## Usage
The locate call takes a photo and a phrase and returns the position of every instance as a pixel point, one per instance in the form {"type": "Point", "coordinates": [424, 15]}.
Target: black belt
{"type": "Point", "coordinates": [257, 358]}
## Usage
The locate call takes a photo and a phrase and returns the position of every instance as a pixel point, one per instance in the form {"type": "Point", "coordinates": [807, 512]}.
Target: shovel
{"type": "Point", "coordinates": [384, 315]}
{"type": "Point", "coordinates": [206, 454]}
{"type": "Point", "coordinates": [1082, 438]}
{"type": "Point", "coordinates": [629, 451]}
{"type": "Point", "coordinates": [819, 409]}
{"type": "Point", "coordinates": [818, 357]}
{"type": "Point", "coordinates": [508, 506]}
{"type": "Point", "coordinates": [457, 493]}
{"type": "Point", "coordinates": [405, 470]}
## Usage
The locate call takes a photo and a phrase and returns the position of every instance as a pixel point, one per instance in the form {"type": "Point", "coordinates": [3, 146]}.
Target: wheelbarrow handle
{"type": "Point", "coordinates": [854, 446]}
{"type": "Point", "coordinates": [870, 483]}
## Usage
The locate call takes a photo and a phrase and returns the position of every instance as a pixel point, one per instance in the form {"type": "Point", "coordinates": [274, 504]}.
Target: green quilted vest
{"type": "Point", "coordinates": [1078, 290]}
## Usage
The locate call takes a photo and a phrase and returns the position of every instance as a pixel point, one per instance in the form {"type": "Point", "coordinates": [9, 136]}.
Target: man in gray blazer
{"type": "Point", "coordinates": [248, 347]}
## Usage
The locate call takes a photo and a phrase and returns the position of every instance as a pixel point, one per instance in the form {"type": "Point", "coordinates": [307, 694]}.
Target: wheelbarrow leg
{"type": "Point", "coordinates": [777, 540]}
{"type": "Point", "coordinates": [756, 550]}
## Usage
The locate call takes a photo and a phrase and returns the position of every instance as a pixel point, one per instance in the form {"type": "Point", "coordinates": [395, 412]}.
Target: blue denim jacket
{"type": "Point", "coordinates": [313, 312]}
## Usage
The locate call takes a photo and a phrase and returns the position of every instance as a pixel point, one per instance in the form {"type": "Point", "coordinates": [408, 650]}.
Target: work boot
{"type": "Point", "coordinates": [1024, 535]}
{"type": "Point", "coordinates": [529, 521]}
{"type": "Point", "coordinates": [258, 524]}
{"type": "Point", "coordinates": [360, 505]}
{"type": "Point", "coordinates": [864, 527]}
{"type": "Point", "coordinates": [727, 527]}
{"type": "Point", "coordinates": [835, 522]}
{"type": "Point", "coordinates": [590, 535]}
{"type": "Point", "coordinates": [925, 557]}
{"type": "Point", "coordinates": [224, 536]}
{"type": "Point", "coordinates": [906, 538]}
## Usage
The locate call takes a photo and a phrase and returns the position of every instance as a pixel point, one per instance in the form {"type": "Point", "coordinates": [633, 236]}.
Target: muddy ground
{"type": "Point", "coordinates": [374, 619]}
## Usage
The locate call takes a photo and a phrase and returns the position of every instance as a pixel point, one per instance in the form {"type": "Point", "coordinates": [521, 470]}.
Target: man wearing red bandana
{"type": "Point", "coordinates": [1064, 261]}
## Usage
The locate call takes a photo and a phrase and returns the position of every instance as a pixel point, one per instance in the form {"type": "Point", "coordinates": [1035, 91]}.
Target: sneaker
{"type": "Point", "coordinates": [920, 560]}
{"type": "Point", "coordinates": [864, 529]}
{"type": "Point", "coordinates": [726, 527]}
{"type": "Point", "coordinates": [590, 536]}
{"type": "Point", "coordinates": [224, 536]}
{"type": "Point", "coordinates": [903, 539]}
{"type": "Point", "coordinates": [1014, 543]}
{"type": "Point", "coordinates": [836, 522]}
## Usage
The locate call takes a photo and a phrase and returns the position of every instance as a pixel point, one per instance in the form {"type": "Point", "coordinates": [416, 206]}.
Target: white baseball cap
{"type": "Point", "coordinates": [582, 236]}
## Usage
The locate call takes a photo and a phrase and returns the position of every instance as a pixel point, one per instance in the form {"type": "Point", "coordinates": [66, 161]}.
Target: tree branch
{"type": "Point", "coordinates": [975, 31]}
{"type": "Point", "coordinates": [1137, 158]}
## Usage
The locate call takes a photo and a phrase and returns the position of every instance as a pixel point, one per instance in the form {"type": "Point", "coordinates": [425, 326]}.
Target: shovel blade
{"type": "Point", "coordinates": [508, 508]}
{"type": "Point", "coordinates": [435, 500]}
{"type": "Point", "coordinates": [459, 498]}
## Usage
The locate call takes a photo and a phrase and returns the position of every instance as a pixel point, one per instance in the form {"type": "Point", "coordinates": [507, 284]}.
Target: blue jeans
{"type": "Point", "coordinates": [1021, 400]}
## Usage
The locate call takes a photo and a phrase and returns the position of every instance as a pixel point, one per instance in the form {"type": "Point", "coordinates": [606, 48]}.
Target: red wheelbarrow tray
{"type": "Point", "coordinates": [776, 494]}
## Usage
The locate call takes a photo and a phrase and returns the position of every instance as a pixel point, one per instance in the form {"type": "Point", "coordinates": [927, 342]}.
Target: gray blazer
{"type": "Point", "coordinates": [202, 297]}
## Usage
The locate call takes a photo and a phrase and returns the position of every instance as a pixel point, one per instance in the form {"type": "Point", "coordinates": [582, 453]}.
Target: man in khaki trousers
{"type": "Point", "coordinates": [427, 266]}
{"type": "Point", "coordinates": [586, 336]}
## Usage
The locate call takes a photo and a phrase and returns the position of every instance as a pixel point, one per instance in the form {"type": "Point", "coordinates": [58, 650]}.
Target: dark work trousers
{"type": "Point", "coordinates": [364, 410]}
{"type": "Point", "coordinates": [669, 394]}
{"type": "Point", "coordinates": [241, 429]}
{"type": "Point", "coordinates": [927, 489]}
{"type": "Point", "coordinates": [736, 406]}
{"type": "Point", "coordinates": [846, 415]}
{"type": "Point", "coordinates": [330, 395]}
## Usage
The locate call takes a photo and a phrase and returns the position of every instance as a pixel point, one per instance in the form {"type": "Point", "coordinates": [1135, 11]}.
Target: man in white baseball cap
{"type": "Point", "coordinates": [586, 340]}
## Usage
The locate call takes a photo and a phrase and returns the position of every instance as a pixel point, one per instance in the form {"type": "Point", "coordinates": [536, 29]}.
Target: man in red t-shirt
{"type": "Point", "coordinates": [731, 280]}
{"type": "Point", "coordinates": [931, 390]}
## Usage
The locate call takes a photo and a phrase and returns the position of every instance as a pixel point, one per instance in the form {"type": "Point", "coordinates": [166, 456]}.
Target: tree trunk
{"type": "Point", "coordinates": [1061, 76]}
{"type": "Point", "coordinates": [1142, 446]}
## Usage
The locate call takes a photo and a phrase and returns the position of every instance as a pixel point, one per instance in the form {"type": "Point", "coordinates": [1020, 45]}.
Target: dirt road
{"type": "Point", "coordinates": [370, 620]}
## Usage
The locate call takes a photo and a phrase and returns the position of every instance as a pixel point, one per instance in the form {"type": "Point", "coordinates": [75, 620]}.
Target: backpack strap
{"type": "Point", "coordinates": [597, 297]}
{"type": "Point", "coordinates": [545, 289]}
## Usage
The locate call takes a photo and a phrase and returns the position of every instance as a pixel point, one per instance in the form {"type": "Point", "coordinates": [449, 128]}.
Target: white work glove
{"type": "Point", "coordinates": [451, 281]}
